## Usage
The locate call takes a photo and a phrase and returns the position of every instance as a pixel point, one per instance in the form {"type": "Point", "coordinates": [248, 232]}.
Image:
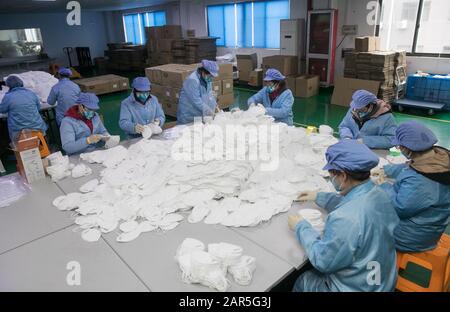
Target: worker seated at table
{"type": "Point", "coordinates": [421, 192]}
{"type": "Point", "coordinates": [82, 129]}
{"type": "Point", "coordinates": [358, 239]}
{"type": "Point", "coordinates": [276, 97]}
{"type": "Point", "coordinates": [140, 109]}
{"type": "Point", "coordinates": [65, 93]}
{"type": "Point", "coordinates": [22, 106]}
{"type": "Point", "coordinates": [197, 98]}
{"type": "Point", "coordinates": [369, 120]}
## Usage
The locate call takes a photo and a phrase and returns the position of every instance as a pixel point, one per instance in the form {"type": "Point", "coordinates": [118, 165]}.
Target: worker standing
{"type": "Point", "coordinates": [196, 97]}
{"type": "Point", "coordinates": [140, 109]}
{"type": "Point", "coordinates": [421, 192]}
{"type": "Point", "coordinates": [82, 129]}
{"type": "Point", "coordinates": [275, 97]}
{"type": "Point", "coordinates": [65, 93]}
{"type": "Point", "coordinates": [369, 120]}
{"type": "Point", "coordinates": [22, 106]}
{"type": "Point", "coordinates": [359, 230]}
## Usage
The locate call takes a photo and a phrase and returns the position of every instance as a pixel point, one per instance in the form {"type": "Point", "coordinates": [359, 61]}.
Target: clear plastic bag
{"type": "Point", "coordinates": [12, 188]}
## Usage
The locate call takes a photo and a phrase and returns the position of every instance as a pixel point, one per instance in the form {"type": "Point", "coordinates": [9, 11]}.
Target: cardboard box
{"type": "Point", "coordinates": [345, 87]}
{"type": "Point", "coordinates": [286, 64]}
{"type": "Point", "coordinates": [158, 91]}
{"type": "Point", "coordinates": [174, 76]}
{"type": "Point", "coordinates": [170, 108]}
{"type": "Point", "coordinates": [29, 162]}
{"type": "Point", "coordinates": [225, 71]}
{"type": "Point", "coordinates": [154, 74]}
{"type": "Point", "coordinates": [165, 45]}
{"type": "Point", "coordinates": [172, 32]}
{"type": "Point", "coordinates": [307, 86]}
{"type": "Point", "coordinates": [256, 78]}
{"type": "Point", "coordinates": [291, 82]}
{"type": "Point", "coordinates": [103, 84]}
{"type": "Point", "coordinates": [245, 64]}
{"type": "Point", "coordinates": [225, 100]}
{"type": "Point", "coordinates": [227, 86]}
{"type": "Point", "coordinates": [367, 44]}
{"type": "Point", "coordinates": [217, 87]}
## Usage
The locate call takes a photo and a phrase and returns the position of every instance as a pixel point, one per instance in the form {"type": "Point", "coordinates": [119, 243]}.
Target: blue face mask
{"type": "Point", "coordinates": [142, 97]}
{"type": "Point", "coordinates": [208, 79]}
{"type": "Point", "coordinates": [270, 89]}
{"type": "Point", "coordinates": [363, 115]}
{"type": "Point", "coordinates": [337, 187]}
{"type": "Point", "coordinates": [88, 115]}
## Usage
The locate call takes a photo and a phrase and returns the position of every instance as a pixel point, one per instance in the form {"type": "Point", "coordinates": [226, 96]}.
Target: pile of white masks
{"type": "Point", "coordinates": [210, 268]}
{"type": "Point", "coordinates": [145, 184]}
{"type": "Point", "coordinates": [39, 82]}
{"type": "Point", "coordinates": [315, 218]}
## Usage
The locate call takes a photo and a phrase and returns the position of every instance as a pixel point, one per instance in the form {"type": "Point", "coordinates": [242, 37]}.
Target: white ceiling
{"type": "Point", "coordinates": [36, 6]}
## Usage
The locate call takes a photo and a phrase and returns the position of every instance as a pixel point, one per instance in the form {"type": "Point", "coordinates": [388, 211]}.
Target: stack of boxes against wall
{"type": "Point", "coordinates": [126, 56]}
{"type": "Point", "coordinates": [165, 45]}
{"type": "Point", "coordinates": [368, 63]}
{"type": "Point", "coordinates": [103, 84]}
{"type": "Point", "coordinates": [301, 86]}
{"type": "Point", "coordinates": [167, 81]}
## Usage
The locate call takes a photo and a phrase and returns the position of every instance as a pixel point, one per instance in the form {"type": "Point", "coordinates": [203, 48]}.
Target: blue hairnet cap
{"type": "Point", "coordinates": [13, 82]}
{"type": "Point", "coordinates": [414, 136]}
{"type": "Point", "coordinates": [350, 156]}
{"type": "Point", "coordinates": [273, 74]}
{"type": "Point", "coordinates": [362, 98]}
{"type": "Point", "coordinates": [89, 100]}
{"type": "Point", "coordinates": [141, 84]}
{"type": "Point", "coordinates": [65, 72]}
{"type": "Point", "coordinates": [211, 67]}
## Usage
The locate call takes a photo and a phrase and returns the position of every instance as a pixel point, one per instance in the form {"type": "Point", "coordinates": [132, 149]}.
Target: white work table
{"type": "Point", "coordinates": [44, 107]}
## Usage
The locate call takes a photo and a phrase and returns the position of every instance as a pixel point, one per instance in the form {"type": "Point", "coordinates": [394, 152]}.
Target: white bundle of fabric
{"type": "Point", "coordinates": [210, 268]}
{"type": "Point", "coordinates": [81, 170]}
{"type": "Point", "coordinates": [39, 82]}
{"type": "Point", "coordinates": [112, 141]}
{"type": "Point", "coordinates": [60, 166]}
{"type": "Point", "coordinates": [314, 217]}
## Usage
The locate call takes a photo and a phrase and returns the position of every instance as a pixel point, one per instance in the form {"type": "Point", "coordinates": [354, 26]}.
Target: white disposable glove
{"type": "Point", "coordinates": [93, 139]}
{"type": "Point", "coordinates": [307, 196]}
{"type": "Point", "coordinates": [139, 128]}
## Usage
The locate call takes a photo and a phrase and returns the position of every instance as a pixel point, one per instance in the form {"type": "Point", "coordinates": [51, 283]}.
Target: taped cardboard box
{"type": "Point", "coordinates": [345, 87]}
{"type": "Point", "coordinates": [245, 64]}
{"type": "Point", "coordinates": [174, 76]}
{"type": "Point", "coordinates": [286, 64]}
{"type": "Point", "coordinates": [158, 91]}
{"type": "Point", "coordinates": [307, 86]}
{"type": "Point", "coordinates": [367, 44]}
{"type": "Point", "coordinates": [153, 74]}
{"type": "Point", "coordinates": [225, 100]}
{"type": "Point", "coordinates": [256, 78]}
{"type": "Point", "coordinates": [225, 71]}
{"type": "Point", "coordinates": [227, 86]}
{"type": "Point", "coordinates": [217, 87]}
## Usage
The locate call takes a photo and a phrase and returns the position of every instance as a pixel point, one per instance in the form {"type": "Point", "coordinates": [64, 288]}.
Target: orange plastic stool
{"type": "Point", "coordinates": [436, 260]}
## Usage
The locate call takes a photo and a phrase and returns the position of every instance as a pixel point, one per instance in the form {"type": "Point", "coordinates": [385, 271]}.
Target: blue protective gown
{"type": "Point", "coordinates": [280, 109]}
{"type": "Point", "coordinates": [196, 99]}
{"type": "Point", "coordinates": [22, 106]}
{"type": "Point", "coordinates": [133, 112]}
{"type": "Point", "coordinates": [423, 206]}
{"type": "Point", "coordinates": [74, 133]}
{"type": "Point", "coordinates": [359, 230]}
{"type": "Point", "coordinates": [376, 133]}
{"type": "Point", "coordinates": [66, 93]}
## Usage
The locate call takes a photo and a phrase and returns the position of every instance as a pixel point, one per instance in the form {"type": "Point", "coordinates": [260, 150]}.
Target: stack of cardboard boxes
{"type": "Point", "coordinates": [198, 49]}
{"type": "Point", "coordinates": [286, 64]}
{"type": "Point", "coordinates": [103, 84]}
{"type": "Point", "coordinates": [167, 82]}
{"type": "Point", "coordinates": [125, 56]}
{"type": "Point", "coordinates": [159, 43]}
{"type": "Point", "coordinates": [246, 64]}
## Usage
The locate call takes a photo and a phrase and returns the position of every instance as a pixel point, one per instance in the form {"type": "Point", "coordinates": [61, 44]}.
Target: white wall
{"type": "Point", "coordinates": [56, 34]}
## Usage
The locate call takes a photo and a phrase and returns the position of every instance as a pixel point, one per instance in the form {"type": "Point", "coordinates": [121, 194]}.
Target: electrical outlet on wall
{"type": "Point", "coordinates": [349, 30]}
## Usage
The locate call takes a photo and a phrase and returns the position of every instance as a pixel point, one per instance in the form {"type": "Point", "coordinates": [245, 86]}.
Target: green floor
{"type": "Point", "coordinates": [313, 111]}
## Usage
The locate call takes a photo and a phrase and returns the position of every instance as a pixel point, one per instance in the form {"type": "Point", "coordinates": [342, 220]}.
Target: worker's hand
{"type": "Point", "coordinates": [251, 105]}
{"type": "Point", "coordinates": [378, 172]}
{"type": "Point", "coordinates": [293, 220]}
{"type": "Point", "coordinates": [307, 196]}
{"type": "Point", "coordinates": [139, 129]}
{"type": "Point", "coordinates": [360, 140]}
{"type": "Point", "coordinates": [157, 122]}
{"type": "Point", "coordinates": [94, 139]}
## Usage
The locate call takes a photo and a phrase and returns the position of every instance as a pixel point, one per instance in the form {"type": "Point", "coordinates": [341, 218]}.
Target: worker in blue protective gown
{"type": "Point", "coordinates": [369, 120]}
{"type": "Point", "coordinates": [140, 109]}
{"type": "Point", "coordinates": [197, 98]}
{"type": "Point", "coordinates": [65, 93]}
{"type": "Point", "coordinates": [421, 192]}
{"type": "Point", "coordinates": [22, 106]}
{"type": "Point", "coordinates": [357, 250]}
{"type": "Point", "coordinates": [82, 129]}
{"type": "Point", "coordinates": [275, 97]}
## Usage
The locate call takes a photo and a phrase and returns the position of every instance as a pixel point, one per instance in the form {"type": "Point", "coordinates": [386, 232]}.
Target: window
{"type": "Point", "coordinates": [134, 25]}
{"type": "Point", "coordinates": [248, 24]}
{"type": "Point", "coordinates": [415, 26]}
